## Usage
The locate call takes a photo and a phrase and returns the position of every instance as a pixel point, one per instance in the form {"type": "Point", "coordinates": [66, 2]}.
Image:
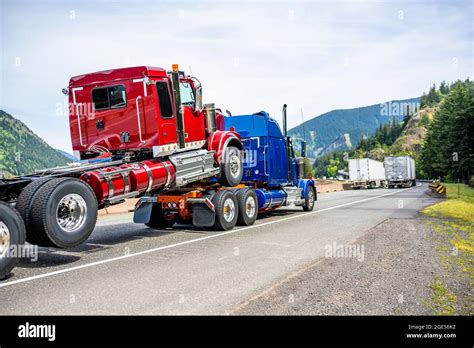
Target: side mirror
{"type": "Point", "coordinates": [198, 97]}
{"type": "Point", "coordinates": [147, 80]}
{"type": "Point", "coordinates": [303, 149]}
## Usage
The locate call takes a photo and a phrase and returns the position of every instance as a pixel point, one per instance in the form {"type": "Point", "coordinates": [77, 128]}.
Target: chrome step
{"type": "Point", "coordinates": [120, 198]}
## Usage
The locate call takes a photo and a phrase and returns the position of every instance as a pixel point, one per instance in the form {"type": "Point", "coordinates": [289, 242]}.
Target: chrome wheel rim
{"type": "Point", "coordinates": [250, 207]}
{"type": "Point", "coordinates": [4, 239]}
{"type": "Point", "coordinates": [311, 198]}
{"type": "Point", "coordinates": [71, 212]}
{"type": "Point", "coordinates": [229, 209]}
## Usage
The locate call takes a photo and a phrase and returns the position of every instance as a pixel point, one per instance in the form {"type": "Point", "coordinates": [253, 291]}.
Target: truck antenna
{"type": "Point", "coordinates": [191, 70]}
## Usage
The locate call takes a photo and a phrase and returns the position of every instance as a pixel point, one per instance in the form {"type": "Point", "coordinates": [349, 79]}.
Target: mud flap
{"type": "Point", "coordinates": [203, 216]}
{"type": "Point", "coordinates": [143, 210]}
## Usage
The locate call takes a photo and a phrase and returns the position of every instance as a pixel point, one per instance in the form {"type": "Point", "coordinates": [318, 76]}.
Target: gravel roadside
{"type": "Point", "coordinates": [388, 271]}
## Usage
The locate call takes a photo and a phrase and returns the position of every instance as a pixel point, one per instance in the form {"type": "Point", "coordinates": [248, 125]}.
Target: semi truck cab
{"type": "Point", "coordinates": [270, 164]}
{"type": "Point", "coordinates": [145, 111]}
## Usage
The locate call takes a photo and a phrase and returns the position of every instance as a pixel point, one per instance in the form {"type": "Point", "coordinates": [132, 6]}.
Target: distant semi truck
{"type": "Point", "coordinates": [366, 173]}
{"type": "Point", "coordinates": [400, 171]}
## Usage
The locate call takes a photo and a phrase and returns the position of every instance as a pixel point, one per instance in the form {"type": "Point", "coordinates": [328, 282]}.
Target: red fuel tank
{"type": "Point", "coordinates": [140, 176]}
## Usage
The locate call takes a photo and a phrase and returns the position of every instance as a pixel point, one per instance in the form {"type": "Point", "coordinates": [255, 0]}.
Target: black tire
{"type": "Point", "coordinates": [25, 200]}
{"type": "Point", "coordinates": [57, 203]}
{"type": "Point", "coordinates": [413, 183]}
{"type": "Point", "coordinates": [248, 207]}
{"type": "Point", "coordinates": [221, 204]}
{"type": "Point", "coordinates": [157, 219]}
{"type": "Point", "coordinates": [232, 168]}
{"type": "Point", "coordinates": [12, 233]}
{"type": "Point", "coordinates": [309, 199]}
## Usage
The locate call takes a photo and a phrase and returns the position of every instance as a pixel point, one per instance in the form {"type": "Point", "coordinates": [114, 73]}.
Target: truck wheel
{"type": "Point", "coordinates": [227, 210]}
{"type": "Point", "coordinates": [232, 168]}
{"type": "Point", "coordinates": [63, 214]}
{"type": "Point", "coordinates": [25, 200]}
{"type": "Point", "coordinates": [248, 207]}
{"type": "Point", "coordinates": [309, 200]}
{"type": "Point", "coordinates": [12, 233]}
{"type": "Point", "coordinates": [157, 220]}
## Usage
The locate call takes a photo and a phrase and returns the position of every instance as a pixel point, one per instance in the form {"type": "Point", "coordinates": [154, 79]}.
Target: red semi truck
{"type": "Point", "coordinates": [137, 132]}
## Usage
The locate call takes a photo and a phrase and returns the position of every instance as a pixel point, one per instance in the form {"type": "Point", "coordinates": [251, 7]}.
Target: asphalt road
{"type": "Point", "coordinates": [131, 269]}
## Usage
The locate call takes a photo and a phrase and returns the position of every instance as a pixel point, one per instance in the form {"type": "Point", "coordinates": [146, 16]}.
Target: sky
{"type": "Point", "coordinates": [249, 55]}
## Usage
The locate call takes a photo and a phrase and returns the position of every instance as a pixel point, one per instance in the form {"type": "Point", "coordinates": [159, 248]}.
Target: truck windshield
{"type": "Point", "coordinates": [187, 94]}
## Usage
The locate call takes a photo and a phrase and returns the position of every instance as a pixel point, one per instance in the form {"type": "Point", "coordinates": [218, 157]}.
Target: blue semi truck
{"type": "Point", "coordinates": [270, 165]}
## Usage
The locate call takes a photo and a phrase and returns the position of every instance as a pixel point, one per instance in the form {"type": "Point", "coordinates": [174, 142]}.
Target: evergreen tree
{"type": "Point", "coordinates": [444, 88]}
{"type": "Point", "coordinates": [430, 99]}
{"type": "Point", "coordinates": [449, 144]}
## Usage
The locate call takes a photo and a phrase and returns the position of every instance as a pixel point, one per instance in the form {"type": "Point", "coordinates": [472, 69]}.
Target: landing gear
{"type": "Point", "coordinates": [158, 220]}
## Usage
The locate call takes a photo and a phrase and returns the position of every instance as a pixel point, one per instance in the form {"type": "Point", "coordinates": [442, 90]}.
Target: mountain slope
{"type": "Point", "coordinates": [22, 151]}
{"type": "Point", "coordinates": [342, 129]}
{"type": "Point", "coordinates": [70, 157]}
{"type": "Point", "coordinates": [410, 141]}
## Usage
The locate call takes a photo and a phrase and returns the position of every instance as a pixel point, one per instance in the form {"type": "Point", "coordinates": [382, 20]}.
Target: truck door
{"type": "Point", "coordinates": [167, 131]}
{"type": "Point", "coordinates": [194, 129]}
{"type": "Point", "coordinates": [278, 166]}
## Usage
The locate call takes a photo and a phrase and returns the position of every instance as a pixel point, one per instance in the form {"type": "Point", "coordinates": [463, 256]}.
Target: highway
{"type": "Point", "coordinates": [126, 268]}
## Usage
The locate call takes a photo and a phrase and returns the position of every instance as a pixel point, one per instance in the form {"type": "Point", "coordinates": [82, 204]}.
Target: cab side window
{"type": "Point", "coordinates": [111, 97]}
{"type": "Point", "coordinates": [164, 99]}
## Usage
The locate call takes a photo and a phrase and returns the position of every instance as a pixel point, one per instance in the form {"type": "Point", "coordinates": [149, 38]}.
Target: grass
{"type": "Point", "coordinates": [460, 208]}
{"type": "Point", "coordinates": [444, 301]}
{"type": "Point", "coordinates": [453, 225]}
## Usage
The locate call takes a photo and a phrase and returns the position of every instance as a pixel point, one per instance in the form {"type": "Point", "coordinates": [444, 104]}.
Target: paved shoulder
{"type": "Point", "coordinates": [386, 272]}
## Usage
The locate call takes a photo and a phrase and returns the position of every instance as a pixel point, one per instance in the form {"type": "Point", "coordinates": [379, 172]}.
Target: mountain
{"type": "Point", "coordinates": [395, 138]}
{"type": "Point", "coordinates": [70, 157]}
{"type": "Point", "coordinates": [343, 129]}
{"type": "Point", "coordinates": [22, 151]}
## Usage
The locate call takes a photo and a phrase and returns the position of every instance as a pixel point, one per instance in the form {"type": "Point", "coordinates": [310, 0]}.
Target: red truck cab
{"type": "Point", "coordinates": [135, 109]}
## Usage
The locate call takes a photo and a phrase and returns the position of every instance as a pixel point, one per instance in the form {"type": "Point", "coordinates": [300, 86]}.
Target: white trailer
{"type": "Point", "coordinates": [366, 173]}
{"type": "Point", "coordinates": [400, 171]}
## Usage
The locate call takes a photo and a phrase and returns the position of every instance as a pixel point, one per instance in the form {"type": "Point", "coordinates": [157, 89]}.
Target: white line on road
{"type": "Point", "coordinates": [118, 258]}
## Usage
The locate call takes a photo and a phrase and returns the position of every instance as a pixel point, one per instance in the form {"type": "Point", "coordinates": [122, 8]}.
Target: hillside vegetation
{"type": "Point", "coordinates": [22, 151]}
{"type": "Point", "coordinates": [442, 126]}
{"type": "Point", "coordinates": [342, 129]}
{"type": "Point", "coordinates": [448, 149]}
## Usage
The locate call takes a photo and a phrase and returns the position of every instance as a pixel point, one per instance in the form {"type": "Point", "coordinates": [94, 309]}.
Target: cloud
{"type": "Point", "coordinates": [249, 55]}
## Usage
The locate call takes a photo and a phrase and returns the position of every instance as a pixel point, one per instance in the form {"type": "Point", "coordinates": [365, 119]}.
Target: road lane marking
{"type": "Point", "coordinates": [235, 230]}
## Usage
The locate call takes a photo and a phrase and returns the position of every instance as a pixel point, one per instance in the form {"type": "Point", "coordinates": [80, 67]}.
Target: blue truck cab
{"type": "Point", "coordinates": [270, 164]}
